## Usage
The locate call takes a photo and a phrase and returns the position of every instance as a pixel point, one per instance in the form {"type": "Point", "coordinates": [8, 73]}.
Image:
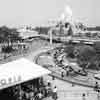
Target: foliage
{"type": "Point", "coordinates": [86, 54]}
{"type": "Point", "coordinates": [87, 58]}
{"type": "Point", "coordinates": [42, 30]}
{"type": "Point", "coordinates": [8, 35]}
{"type": "Point", "coordinates": [70, 51]}
{"type": "Point", "coordinates": [97, 28]}
{"type": "Point", "coordinates": [97, 46]}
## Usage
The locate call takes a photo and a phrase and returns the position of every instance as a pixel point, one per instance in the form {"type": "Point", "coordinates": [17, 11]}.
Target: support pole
{"type": "Point", "coordinates": [20, 92]}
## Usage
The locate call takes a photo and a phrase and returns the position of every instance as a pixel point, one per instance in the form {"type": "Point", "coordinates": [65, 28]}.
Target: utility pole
{"type": "Point", "coordinates": [50, 34]}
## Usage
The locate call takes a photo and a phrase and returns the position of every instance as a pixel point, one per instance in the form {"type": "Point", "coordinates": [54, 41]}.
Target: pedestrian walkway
{"type": "Point", "coordinates": [68, 92]}
{"type": "Point", "coordinates": [88, 80]}
{"type": "Point", "coordinates": [79, 80]}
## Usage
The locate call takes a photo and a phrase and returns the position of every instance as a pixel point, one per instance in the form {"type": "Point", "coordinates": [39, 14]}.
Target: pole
{"type": "Point", "coordinates": [50, 33]}
{"type": "Point", "coordinates": [20, 92]}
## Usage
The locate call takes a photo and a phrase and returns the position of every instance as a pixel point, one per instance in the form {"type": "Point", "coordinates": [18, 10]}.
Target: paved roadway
{"type": "Point", "coordinates": [88, 81]}
{"type": "Point", "coordinates": [68, 92]}
{"type": "Point", "coordinates": [65, 89]}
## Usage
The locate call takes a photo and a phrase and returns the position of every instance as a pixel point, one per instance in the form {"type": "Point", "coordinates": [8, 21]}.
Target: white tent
{"type": "Point", "coordinates": [19, 71]}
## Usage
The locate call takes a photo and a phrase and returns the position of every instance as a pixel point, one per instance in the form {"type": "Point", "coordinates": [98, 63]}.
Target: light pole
{"type": "Point", "coordinates": [50, 36]}
{"type": "Point", "coordinates": [50, 32]}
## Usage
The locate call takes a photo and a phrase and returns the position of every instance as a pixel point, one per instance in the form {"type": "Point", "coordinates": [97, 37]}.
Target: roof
{"type": "Point", "coordinates": [24, 33]}
{"type": "Point", "coordinates": [19, 71]}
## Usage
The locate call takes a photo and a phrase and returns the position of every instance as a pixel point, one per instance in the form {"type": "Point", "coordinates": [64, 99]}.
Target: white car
{"type": "Point", "coordinates": [75, 67]}
{"type": "Point", "coordinates": [97, 76]}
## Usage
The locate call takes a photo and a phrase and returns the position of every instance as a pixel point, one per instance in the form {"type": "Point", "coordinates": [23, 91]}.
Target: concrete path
{"type": "Point", "coordinates": [68, 92]}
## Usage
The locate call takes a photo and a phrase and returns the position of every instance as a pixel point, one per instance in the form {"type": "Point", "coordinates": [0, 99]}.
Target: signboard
{"type": "Point", "coordinates": [11, 80]}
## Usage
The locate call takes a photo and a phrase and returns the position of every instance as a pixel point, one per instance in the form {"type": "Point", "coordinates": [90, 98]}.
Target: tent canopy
{"type": "Point", "coordinates": [19, 71]}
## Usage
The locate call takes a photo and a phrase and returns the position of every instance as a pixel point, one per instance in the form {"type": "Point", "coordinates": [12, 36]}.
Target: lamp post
{"type": "Point", "coordinates": [50, 34]}
{"type": "Point", "coordinates": [50, 31]}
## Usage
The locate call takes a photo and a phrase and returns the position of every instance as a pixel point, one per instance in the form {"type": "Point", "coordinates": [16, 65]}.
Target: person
{"type": "Point", "coordinates": [48, 88]}
{"type": "Point", "coordinates": [61, 61]}
{"type": "Point", "coordinates": [35, 91]}
{"type": "Point", "coordinates": [53, 77]}
{"type": "Point", "coordinates": [96, 86]}
{"type": "Point", "coordinates": [54, 96]}
{"type": "Point", "coordinates": [67, 71]}
{"type": "Point", "coordinates": [41, 82]}
{"type": "Point", "coordinates": [83, 96]}
{"type": "Point", "coordinates": [62, 74]}
{"type": "Point", "coordinates": [73, 85]}
{"type": "Point", "coordinates": [31, 95]}
{"type": "Point", "coordinates": [39, 96]}
{"type": "Point", "coordinates": [48, 83]}
{"type": "Point", "coordinates": [27, 95]}
{"type": "Point", "coordinates": [55, 55]}
{"type": "Point", "coordinates": [98, 96]}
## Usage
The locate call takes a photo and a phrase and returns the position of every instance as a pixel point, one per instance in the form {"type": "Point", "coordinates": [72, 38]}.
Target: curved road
{"type": "Point", "coordinates": [87, 81]}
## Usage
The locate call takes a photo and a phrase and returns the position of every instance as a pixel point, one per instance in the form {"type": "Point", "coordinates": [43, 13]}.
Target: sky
{"type": "Point", "coordinates": [37, 12]}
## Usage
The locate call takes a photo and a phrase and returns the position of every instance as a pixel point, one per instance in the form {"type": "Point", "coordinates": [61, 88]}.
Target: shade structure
{"type": "Point", "coordinates": [19, 71]}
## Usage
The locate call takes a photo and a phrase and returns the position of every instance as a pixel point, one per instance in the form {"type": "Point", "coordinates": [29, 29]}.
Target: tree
{"type": "Point", "coordinates": [87, 55]}
{"type": "Point", "coordinates": [42, 30]}
{"type": "Point", "coordinates": [70, 51]}
{"type": "Point", "coordinates": [97, 47]}
{"type": "Point", "coordinates": [8, 36]}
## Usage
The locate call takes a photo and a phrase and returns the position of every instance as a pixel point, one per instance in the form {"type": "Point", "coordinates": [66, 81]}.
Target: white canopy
{"type": "Point", "coordinates": [19, 71]}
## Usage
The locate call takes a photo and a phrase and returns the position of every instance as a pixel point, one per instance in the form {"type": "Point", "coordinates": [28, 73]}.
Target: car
{"type": "Point", "coordinates": [82, 73]}
{"type": "Point", "coordinates": [75, 66]}
{"type": "Point", "coordinates": [97, 76]}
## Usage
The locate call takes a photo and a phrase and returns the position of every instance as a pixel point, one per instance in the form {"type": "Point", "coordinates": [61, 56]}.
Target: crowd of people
{"type": "Point", "coordinates": [35, 89]}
